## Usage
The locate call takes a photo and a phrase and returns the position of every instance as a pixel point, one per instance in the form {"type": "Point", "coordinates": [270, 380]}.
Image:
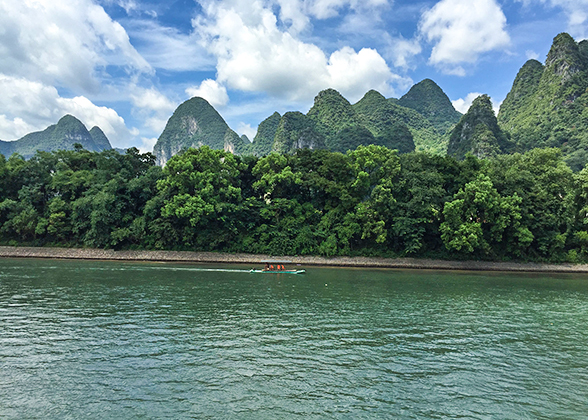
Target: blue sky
{"type": "Point", "coordinates": [125, 65]}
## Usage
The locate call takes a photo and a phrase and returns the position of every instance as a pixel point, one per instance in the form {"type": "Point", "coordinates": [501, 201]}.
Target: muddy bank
{"type": "Point", "coordinates": [211, 257]}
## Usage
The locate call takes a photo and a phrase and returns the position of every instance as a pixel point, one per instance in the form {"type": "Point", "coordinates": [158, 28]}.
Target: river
{"type": "Point", "coordinates": [116, 340]}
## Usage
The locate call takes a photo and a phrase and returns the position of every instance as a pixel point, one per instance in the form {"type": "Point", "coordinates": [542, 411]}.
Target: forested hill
{"type": "Point", "coordinates": [478, 133]}
{"type": "Point", "coordinates": [63, 135]}
{"type": "Point", "coordinates": [429, 100]}
{"type": "Point", "coordinates": [371, 201]}
{"type": "Point", "coordinates": [419, 120]}
{"type": "Point", "coordinates": [196, 123]}
{"type": "Point", "coordinates": [547, 105]}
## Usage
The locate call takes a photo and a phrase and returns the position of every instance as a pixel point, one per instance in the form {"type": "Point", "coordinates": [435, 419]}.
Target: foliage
{"type": "Point", "coordinates": [196, 123]}
{"type": "Point", "coordinates": [547, 105]}
{"type": "Point", "coordinates": [367, 201]}
{"type": "Point", "coordinates": [379, 115]}
{"type": "Point", "coordinates": [478, 132]}
{"type": "Point", "coordinates": [427, 98]}
{"type": "Point", "coordinates": [297, 131]}
{"type": "Point", "coordinates": [264, 138]}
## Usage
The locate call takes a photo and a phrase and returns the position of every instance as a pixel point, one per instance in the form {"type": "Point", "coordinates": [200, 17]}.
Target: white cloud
{"type": "Point", "coordinates": [255, 55]}
{"type": "Point", "coordinates": [531, 55]}
{"type": "Point", "coordinates": [63, 43]}
{"type": "Point", "coordinates": [296, 15]}
{"type": "Point", "coordinates": [152, 107]}
{"type": "Point", "coordinates": [156, 123]}
{"type": "Point", "coordinates": [246, 129]}
{"type": "Point", "coordinates": [402, 50]}
{"type": "Point", "coordinates": [153, 100]}
{"type": "Point", "coordinates": [212, 91]}
{"type": "Point", "coordinates": [147, 144]}
{"type": "Point", "coordinates": [462, 105]}
{"type": "Point", "coordinates": [353, 74]}
{"type": "Point", "coordinates": [27, 106]}
{"type": "Point", "coordinates": [462, 30]}
{"type": "Point", "coordinates": [12, 129]}
{"type": "Point", "coordinates": [167, 48]}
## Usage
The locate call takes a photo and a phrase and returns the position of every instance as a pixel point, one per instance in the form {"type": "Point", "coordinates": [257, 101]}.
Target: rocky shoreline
{"type": "Point", "coordinates": [211, 257]}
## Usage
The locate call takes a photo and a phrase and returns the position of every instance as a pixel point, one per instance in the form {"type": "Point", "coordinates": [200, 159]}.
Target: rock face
{"type": "Point", "coordinates": [478, 132]}
{"type": "Point", "coordinates": [429, 100]}
{"type": "Point", "coordinates": [564, 59]}
{"type": "Point", "coordinates": [195, 123]}
{"type": "Point", "coordinates": [546, 105]}
{"type": "Point", "coordinates": [63, 135]}
{"type": "Point", "coordinates": [297, 131]}
{"type": "Point", "coordinates": [100, 139]}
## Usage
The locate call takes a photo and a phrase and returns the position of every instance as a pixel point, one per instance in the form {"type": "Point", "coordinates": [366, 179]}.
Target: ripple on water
{"type": "Point", "coordinates": [120, 340]}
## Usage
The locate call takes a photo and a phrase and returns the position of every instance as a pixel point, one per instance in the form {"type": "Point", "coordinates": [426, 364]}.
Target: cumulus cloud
{"type": "Point", "coordinates": [212, 91]}
{"type": "Point", "coordinates": [63, 43]}
{"type": "Point", "coordinates": [296, 15]}
{"type": "Point", "coordinates": [462, 30]}
{"type": "Point", "coordinates": [147, 144]}
{"type": "Point", "coordinates": [152, 99]}
{"type": "Point", "coordinates": [403, 50]}
{"type": "Point", "coordinates": [246, 129]}
{"type": "Point", "coordinates": [255, 55]}
{"type": "Point", "coordinates": [463, 104]}
{"type": "Point", "coordinates": [27, 106]}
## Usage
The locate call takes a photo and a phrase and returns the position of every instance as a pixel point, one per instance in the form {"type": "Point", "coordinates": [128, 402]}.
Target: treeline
{"type": "Point", "coordinates": [369, 201]}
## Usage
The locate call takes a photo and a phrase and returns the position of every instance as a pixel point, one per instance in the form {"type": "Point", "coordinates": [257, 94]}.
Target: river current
{"type": "Point", "coordinates": [112, 340]}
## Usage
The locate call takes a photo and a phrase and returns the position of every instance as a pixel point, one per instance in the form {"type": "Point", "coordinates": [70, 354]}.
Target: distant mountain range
{"type": "Point", "coordinates": [420, 119]}
{"type": "Point", "coordinates": [63, 135]}
{"type": "Point", "coordinates": [546, 107]}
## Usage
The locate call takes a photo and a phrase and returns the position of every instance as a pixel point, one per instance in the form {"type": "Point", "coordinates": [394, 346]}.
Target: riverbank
{"type": "Point", "coordinates": [212, 257]}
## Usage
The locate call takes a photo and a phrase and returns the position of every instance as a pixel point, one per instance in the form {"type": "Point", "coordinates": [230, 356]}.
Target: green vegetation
{"type": "Point", "coordinates": [427, 98]}
{"type": "Point", "coordinates": [297, 131]}
{"type": "Point", "coordinates": [196, 123]}
{"type": "Point", "coordinates": [61, 136]}
{"type": "Point", "coordinates": [332, 123]}
{"type": "Point", "coordinates": [379, 115]}
{"type": "Point", "coordinates": [368, 201]}
{"type": "Point", "coordinates": [264, 138]}
{"type": "Point", "coordinates": [547, 106]}
{"type": "Point", "coordinates": [478, 132]}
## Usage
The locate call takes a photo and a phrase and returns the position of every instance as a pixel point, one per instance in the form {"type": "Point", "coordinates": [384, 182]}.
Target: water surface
{"type": "Point", "coordinates": [102, 340]}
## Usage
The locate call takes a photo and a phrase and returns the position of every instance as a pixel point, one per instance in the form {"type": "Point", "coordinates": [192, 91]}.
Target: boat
{"type": "Point", "coordinates": [276, 267]}
{"type": "Point", "coordinates": [253, 270]}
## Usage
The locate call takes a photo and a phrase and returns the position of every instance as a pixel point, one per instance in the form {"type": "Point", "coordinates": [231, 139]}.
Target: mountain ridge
{"type": "Point", "coordinates": [63, 135]}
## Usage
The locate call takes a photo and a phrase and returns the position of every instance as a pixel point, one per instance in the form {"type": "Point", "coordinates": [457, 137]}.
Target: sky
{"type": "Point", "coordinates": [125, 65]}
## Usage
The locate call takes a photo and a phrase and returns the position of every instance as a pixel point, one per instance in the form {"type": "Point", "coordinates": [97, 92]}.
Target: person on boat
{"type": "Point", "coordinates": [267, 267]}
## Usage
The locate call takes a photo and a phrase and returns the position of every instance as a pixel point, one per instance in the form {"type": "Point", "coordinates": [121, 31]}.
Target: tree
{"type": "Point", "coordinates": [478, 218]}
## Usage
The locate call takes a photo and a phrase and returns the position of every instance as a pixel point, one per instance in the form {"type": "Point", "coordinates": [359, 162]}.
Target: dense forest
{"type": "Point", "coordinates": [368, 201]}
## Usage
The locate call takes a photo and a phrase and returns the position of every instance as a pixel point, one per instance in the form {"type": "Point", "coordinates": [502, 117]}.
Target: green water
{"type": "Point", "coordinates": [106, 340]}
